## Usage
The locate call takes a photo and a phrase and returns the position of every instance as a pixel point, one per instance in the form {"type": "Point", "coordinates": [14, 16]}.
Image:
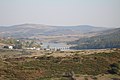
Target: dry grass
{"type": "Point", "coordinates": [68, 53]}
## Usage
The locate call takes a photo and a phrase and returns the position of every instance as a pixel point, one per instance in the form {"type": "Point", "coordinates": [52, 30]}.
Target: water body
{"type": "Point", "coordinates": [62, 46]}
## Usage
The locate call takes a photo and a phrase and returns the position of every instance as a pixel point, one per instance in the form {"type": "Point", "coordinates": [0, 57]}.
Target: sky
{"type": "Point", "coordinates": [101, 13]}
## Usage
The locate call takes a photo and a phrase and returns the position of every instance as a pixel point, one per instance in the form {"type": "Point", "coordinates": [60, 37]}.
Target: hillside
{"type": "Point", "coordinates": [33, 30]}
{"type": "Point", "coordinates": [23, 30]}
{"type": "Point", "coordinates": [106, 39]}
{"type": "Point", "coordinates": [97, 66]}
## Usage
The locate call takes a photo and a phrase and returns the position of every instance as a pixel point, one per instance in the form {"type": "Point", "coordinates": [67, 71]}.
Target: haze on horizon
{"type": "Point", "coordinates": [101, 13]}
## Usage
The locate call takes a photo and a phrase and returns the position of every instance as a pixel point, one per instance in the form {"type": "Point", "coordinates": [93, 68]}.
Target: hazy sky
{"type": "Point", "coordinates": [105, 13]}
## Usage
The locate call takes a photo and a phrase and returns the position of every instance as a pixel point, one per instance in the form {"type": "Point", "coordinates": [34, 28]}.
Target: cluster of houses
{"type": "Point", "coordinates": [18, 45]}
{"type": "Point", "coordinates": [11, 47]}
{"type": "Point", "coordinates": [43, 47]}
{"type": "Point", "coordinates": [36, 48]}
{"type": "Point", "coordinates": [48, 48]}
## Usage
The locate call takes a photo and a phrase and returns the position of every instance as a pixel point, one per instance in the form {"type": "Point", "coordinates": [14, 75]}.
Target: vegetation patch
{"type": "Point", "coordinates": [60, 68]}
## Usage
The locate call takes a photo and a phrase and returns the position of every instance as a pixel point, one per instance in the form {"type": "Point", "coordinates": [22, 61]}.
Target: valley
{"type": "Point", "coordinates": [59, 39]}
{"type": "Point", "coordinates": [49, 33]}
{"type": "Point", "coordinates": [42, 52]}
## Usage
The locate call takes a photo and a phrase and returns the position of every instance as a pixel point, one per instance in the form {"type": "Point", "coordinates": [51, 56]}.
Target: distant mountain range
{"type": "Point", "coordinates": [31, 30]}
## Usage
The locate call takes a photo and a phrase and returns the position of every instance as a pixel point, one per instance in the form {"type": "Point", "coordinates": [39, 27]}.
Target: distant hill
{"type": "Point", "coordinates": [106, 39]}
{"type": "Point", "coordinates": [30, 30]}
{"type": "Point", "coordinates": [23, 30]}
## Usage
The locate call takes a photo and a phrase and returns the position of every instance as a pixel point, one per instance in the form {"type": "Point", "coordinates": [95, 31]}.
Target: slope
{"type": "Point", "coordinates": [108, 39]}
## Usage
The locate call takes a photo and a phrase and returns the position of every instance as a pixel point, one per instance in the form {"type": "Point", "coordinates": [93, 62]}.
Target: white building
{"type": "Point", "coordinates": [10, 47]}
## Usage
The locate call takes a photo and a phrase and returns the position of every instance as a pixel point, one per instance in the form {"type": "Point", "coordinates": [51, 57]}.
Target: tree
{"type": "Point", "coordinates": [115, 68]}
{"type": "Point", "coordinates": [18, 44]}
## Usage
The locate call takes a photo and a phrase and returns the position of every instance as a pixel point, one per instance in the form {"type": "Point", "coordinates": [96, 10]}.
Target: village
{"type": "Point", "coordinates": [32, 45]}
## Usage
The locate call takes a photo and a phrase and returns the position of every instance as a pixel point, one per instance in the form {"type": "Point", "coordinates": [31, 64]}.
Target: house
{"type": "Point", "coordinates": [10, 47]}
